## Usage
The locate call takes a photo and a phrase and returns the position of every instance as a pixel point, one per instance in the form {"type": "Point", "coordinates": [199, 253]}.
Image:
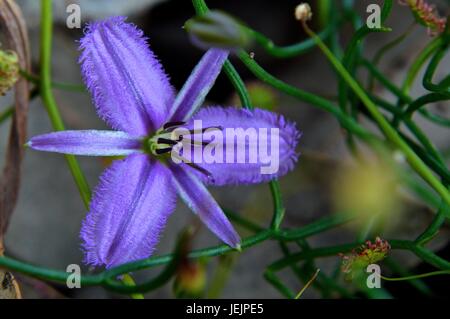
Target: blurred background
{"type": "Point", "coordinates": [45, 227]}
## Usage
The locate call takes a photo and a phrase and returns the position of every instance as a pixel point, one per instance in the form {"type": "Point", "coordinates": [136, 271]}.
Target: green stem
{"type": "Point", "coordinates": [421, 252]}
{"type": "Point", "coordinates": [431, 69]}
{"type": "Point", "coordinates": [314, 228]}
{"type": "Point", "coordinates": [57, 85]}
{"type": "Point", "coordinates": [432, 230]}
{"type": "Point", "coordinates": [273, 279]}
{"type": "Point", "coordinates": [391, 87]}
{"type": "Point", "coordinates": [290, 50]}
{"type": "Point", "coordinates": [415, 162]}
{"type": "Point", "coordinates": [353, 51]}
{"type": "Point", "coordinates": [386, 48]}
{"type": "Point", "coordinates": [245, 223]}
{"type": "Point", "coordinates": [324, 104]}
{"type": "Point", "coordinates": [313, 253]}
{"type": "Point", "coordinates": [430, 274]}
{"type": "Point", "coordinates": [414, 105]}
{"type": "Point", "coordinates": [278, 207]}
{"type": "Point", "coordinates": [415, 68]}
{"type": "Point", "coordinates": [48, 98]}
{"type": "Point", "coordinates": [128, 280]}
{"type": "Point", "coordinates": [434, 118]}
{"type": "Point", "coordinates": [424, 100]}
{"type": "Point", "coordinates": [419, 61]}
{"type": "Point", "coordinates": [399, 269]}
{"type": "Point", "coordinates": [89, 280]}
{"type": "Point", "coordinates": [238, 84]}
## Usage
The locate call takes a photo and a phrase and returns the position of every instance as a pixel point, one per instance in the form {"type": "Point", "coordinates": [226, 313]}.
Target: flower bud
{"type": "Point", "coordinates": [217, 29]}
{"type": "Point", "coordinates": [303, 12]}
{"type": "Point", "coordinates": [190, 280]}
{"type": "Point", "coordinates": [9, 70]}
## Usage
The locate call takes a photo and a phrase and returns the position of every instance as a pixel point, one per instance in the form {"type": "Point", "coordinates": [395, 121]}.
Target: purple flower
{"type": "Point", "coordinates": [137, 194]}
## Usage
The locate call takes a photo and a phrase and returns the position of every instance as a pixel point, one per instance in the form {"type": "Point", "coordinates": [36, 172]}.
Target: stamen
{"type": "Point", "coordinates": [163, 150]}
{"type": "Point", "coordinates": [202, 170]}
{"type": "Point", "coordinates": [167, 141]}
{"type": "Point", "coordinates": [194, 166]}
{"type": "Point", "coordinates": [171, 125]}
{"type": "Point", "coordinates": [218, 128]}
{"type": "Point", "coordinates": [194, 142]}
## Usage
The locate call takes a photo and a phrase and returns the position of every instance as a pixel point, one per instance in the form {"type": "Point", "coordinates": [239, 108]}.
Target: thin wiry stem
{"type": "Point", "coordinates": [49, 100]}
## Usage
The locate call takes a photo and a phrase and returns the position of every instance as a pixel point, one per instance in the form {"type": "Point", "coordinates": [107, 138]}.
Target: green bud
{"type": "Point", "coordinates": [9, 70]}
{"type": "Point", "coordinates": [217, 29]}
{"type": "Point", "coordinates": [190, 280]}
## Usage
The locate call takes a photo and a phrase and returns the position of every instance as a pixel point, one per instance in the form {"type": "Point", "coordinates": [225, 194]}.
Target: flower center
{"type": "Point", "coordinates": [164, 139]}
{"type": "Point", "coordinates": [167, 137]}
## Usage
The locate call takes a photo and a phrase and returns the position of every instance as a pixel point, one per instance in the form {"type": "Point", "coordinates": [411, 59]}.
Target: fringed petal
{"type": "Point", "coordinates": [129, 87]}
{"type": "Point", "coordinates": [128, 212]}
{"type": "Point", "coordinates": [200, 201]}
{"type": "Point", "coordinates": [271, 155]}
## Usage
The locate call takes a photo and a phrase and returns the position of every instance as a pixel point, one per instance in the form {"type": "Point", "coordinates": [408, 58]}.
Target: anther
{"type": "Point", "coordinates": [163, 150]}
{"type": "Point", "coordinates": [171, 125]}
{"type": "Point", "coordinates": [194, 166]}
{"type": "Point", "coordinates": [193, 141]}
{"type": "Point", "coordinates": [218, 128]}
{"type": "Point", "coordinates": [167, 141]}
{"type": "Point", "coordinates": [202, 170]}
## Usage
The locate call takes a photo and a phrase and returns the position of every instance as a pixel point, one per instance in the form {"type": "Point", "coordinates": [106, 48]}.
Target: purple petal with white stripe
{"type": "Point", "coordinates": [128, 212]}
{"type": "Point", "coordinates": [200, 201]}
{"type": "Point", "coordinates": [226, 172]}
{"type": "Point", "coordinates": [88, 142]}
{"type": "Point", "coordinates": [198, 85]}
{"type": "Point", "coordinates": [129, 87]}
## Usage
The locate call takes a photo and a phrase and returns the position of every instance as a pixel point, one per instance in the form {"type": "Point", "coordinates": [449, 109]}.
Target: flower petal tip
{"type": "Point", "coordinates": [127, 83]}
{"type": "Point", "coordinates": [235, 173]}
{"type": "Point", "coordinates": [93, 26]}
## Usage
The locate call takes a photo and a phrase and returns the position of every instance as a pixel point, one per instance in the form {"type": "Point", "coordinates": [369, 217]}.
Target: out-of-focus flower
{"type": "Point", "coordinates": [9, 70]}
{"type": "Point", "coordinates": [427, 15]}
{"type": "Point", "coordinates": [137, 194]}
{"type": "Point", "coordinates": [369, 253]}
{"type": "Point", "coordinates": [217, 29]}
{"type": "Point", "coordinates": [367, 190]}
